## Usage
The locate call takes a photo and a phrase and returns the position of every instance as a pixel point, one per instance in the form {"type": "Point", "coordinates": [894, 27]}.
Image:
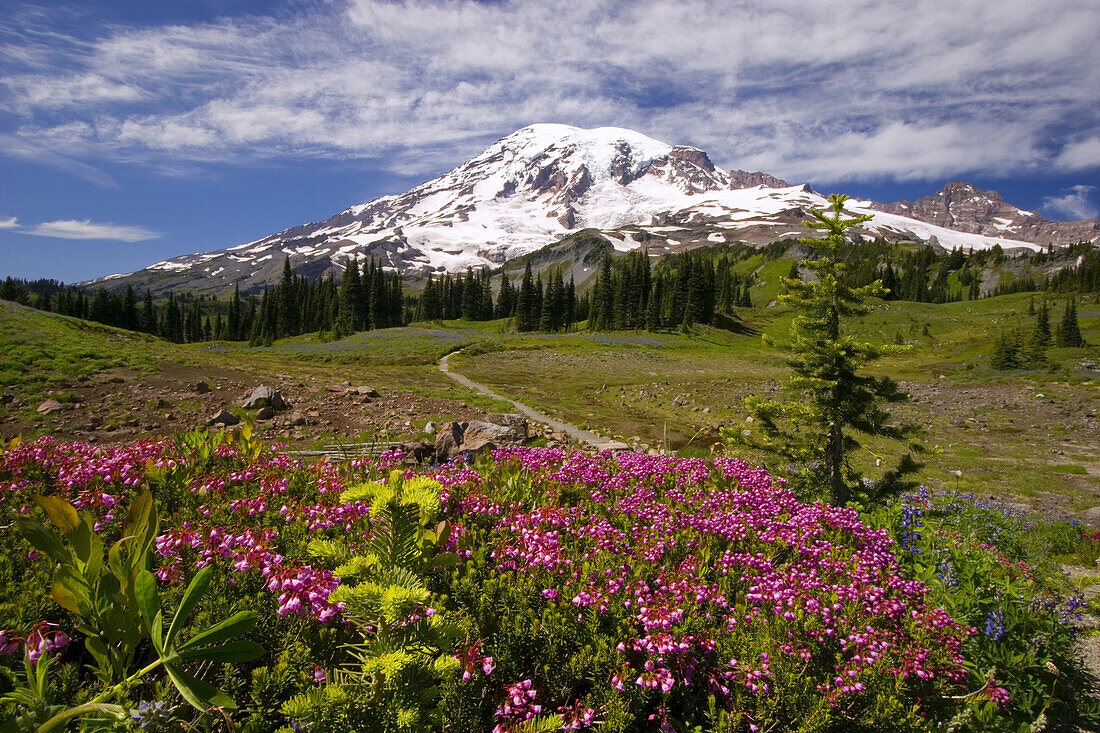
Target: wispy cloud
{"type": "Point", "coordinates": [1075, 204]}
{"type": "Point", "coordinates": [9, 223]}
{"type": "Point", "coordinates": [803, 90]}
{"type": "Point", "coordinates": [74, 229]}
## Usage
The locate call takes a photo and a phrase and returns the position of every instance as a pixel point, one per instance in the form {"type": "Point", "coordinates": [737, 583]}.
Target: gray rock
{"type": "Point", "coordinates": [366, 391]}
{"type": "Point", "coordinates": [50, 405]}
{"type": "Point", "coordinates": [297, 418]}
{"type": "Point", "coordinates": [480, 436]}
{"type": "Point", "coordinates": [264, 396]}
{"type": "Point", "coordinates": [431, 428]}
{"type": "Point", "coordinates": [509, 420]}
{"type": "Point", "coordinates": [224, 417]}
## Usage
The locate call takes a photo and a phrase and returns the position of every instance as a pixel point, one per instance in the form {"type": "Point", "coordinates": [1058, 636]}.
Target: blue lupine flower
{"type": "Point", "coordinates": [995, 624]}
{"type": "Point", "coordinates": [151, 714]}
{"type": "Point", "coordinates": [910, 523]}
{"type": "Point", "coordinates": [1072, 611]}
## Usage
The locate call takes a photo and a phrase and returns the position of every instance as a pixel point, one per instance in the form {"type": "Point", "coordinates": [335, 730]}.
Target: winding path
{"type": "Point", "coordinates": [584, 436]}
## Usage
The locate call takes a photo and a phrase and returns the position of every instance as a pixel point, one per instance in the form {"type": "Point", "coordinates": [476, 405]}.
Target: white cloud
{"type": "Point", "coordinates": [1075, 205]}
{"type": "Point", "coordinates": [803, 90]}
{"type": "Point", "coordinates": [9, 223]}
{"type": "Point", "coordinates": [1081, 154]}
{"type": "Point", "coordinates": [73, 229]}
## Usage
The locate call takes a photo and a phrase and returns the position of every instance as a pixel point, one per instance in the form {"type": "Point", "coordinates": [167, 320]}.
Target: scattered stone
{"type": "Point", "coordinates": [264, 396]}
{"type": "Point", "coordinates": [201, 387]}
{"type": "Point", "coordinates": [265, 413]}
{"type": "Point", "coordinates": [50, 405]}
{"type": "Point", "coordinates": [169, 416]}
{"type": "Point", "coordinates": [338, 388]}
{"type": "Point", "coordinates": [7, 398]}
{"type": "Point", "coordinates": [366, 391]}
{"type": "Point", "coordinates": [297, 418]}
{"type": "Point", "coordinates": [163, 404]}
{"type": "Point", "coordinates": [224, 417]}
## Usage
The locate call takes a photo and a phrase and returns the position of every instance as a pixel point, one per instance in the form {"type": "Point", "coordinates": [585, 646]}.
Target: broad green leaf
{"type": "Point", "coordinates": [233, 652]}
{"type": "Point", "coordinates": [195, 590]}
{"type": "Point", "coordinates": [43, 539]}
{"type": "Point", "coordinates": [138, 516]}
{"type": "Point", "coordinates": [236, 624]}
{"type": "Point", "coordinates": [60, 512]}
{"type": "Point", "coordinates": [201, 695]}
{"type": "Point", "coordinates": [115, 561]}
{"type": "Point", "coordinates": [70, 591]}
{"type": "Point", "coordinates": [148, 603]}
{"type": "Point", "coordinates": [98, 650]}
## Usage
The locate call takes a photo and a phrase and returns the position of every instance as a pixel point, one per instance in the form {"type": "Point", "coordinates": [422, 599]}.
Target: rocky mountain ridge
{"type": "Point", "coordinates": [966, 208]}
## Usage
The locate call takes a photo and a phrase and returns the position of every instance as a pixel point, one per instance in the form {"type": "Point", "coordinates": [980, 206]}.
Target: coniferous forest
{"type": "Point", "coordinates": [631, 291]}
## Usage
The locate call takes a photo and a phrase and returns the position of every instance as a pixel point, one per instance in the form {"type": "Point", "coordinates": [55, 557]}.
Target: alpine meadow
{"type": "Point", "coordinates": [589, 432]}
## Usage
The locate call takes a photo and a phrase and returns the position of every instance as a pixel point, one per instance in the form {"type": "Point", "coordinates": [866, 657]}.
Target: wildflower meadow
{"type": "Point", "coordinates": [215, 583]}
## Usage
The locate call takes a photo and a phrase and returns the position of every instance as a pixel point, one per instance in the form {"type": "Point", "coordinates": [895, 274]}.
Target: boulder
{"type": "Point", "coordinates": [297, 418]}
{"type": "Point", "coordinates": [510, 420]}
{"type": "Point", "coordinates": [431, 428]}
{"type": "Point", "coordinates": [365, 391]}
{"type": "Point", "coordinates": [201, 387]}
{"type": "Point", "coordinates": [163, 404]}
{"type": "Point", "coordinates": [418, 451]}
{"type": "Point", "coordinates": [224, 417]}
{"type": "Point", "coordinates": [50, 405]}
{"type": "Point", "coordinates": [448, 439]}
{"type": "Point", "coordinates": [265, 413]}
{"type": "Point", "coordinates": [264, 397]}
{"type": "Point", "coordinates": [478, 435]}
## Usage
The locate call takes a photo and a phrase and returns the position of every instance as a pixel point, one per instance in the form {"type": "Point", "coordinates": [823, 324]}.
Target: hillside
{"type": "Point", "coordinates": [648, 389]}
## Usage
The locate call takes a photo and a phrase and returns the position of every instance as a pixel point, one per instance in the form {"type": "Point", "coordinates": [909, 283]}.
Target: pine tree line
{"type": "Point", "coordinates": [467, 296]}
{"type": "Point", "coordinates": [683, 289]}
{"type": "Point", "coordinates": [1015, 349]}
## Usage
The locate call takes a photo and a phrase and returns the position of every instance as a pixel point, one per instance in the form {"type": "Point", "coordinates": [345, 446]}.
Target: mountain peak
{"type": "Point", "coordinates": [547, 180]}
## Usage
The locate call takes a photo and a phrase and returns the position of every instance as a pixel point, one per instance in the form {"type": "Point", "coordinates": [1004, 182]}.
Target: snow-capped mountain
{"type": "Point", "coordinates": [539, 184]}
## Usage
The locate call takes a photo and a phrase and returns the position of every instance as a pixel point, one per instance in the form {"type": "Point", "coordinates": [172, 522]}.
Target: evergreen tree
{"type": "Point", "coordinates": [288, 308]}
{"type": "Point", "coordinates": [351, 297]}
{"type": "Point", "coordinates": [1068, 332]}
{"type": "Point", "coordinates": [506, 298]}
{"type": "Point", "coordinates": [525, 302]}
{"type": "Point", "coordinates": [832, 399]}
{"type": "Point", "coordinates": [1006, 351]}
{"type": "Point", "coordinates": [148, 314]}
{"type": "Point", "coordinates": [234, 328]}
{"type": "Point", "coordinates": [1041, 338]}
{"type": "Point", "coordinates": [129, 310]}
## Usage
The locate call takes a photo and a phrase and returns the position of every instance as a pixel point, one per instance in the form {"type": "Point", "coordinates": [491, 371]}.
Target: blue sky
{"type": "Point", "coordinates": [135, 130]}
